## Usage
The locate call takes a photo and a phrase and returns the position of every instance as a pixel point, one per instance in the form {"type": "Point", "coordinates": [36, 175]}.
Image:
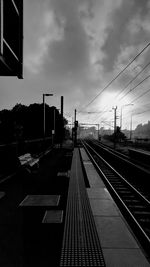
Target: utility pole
{"type": "Point", "coordinates": [44, 114]}
{"type": "Point", "coordinates": [62, 106]}
{"type": "Point", "coordinates": [130, 104]}
{"type": "Point", "coordinates": [131, 128]}
{"type": "Point", "coordinates": [75, 114]}
{"type": "Point", "coordinates": [75, 128]}
{"type": "Point", "coordinates": [62, 124]}
{"type": "Point", "coordinates": [54, 123]}
{"type": "Point", "coordinates": [115, 118]}
{"type": "Point", "coordinates": [98, 132]}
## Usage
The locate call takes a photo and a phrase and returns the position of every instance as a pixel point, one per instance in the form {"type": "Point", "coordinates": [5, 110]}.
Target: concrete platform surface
{"type": "Point", "coordinates": [124, 258]}
{"type": "Point", "coordinates": [114, 233]}
{"type": "Point", "coordinates": [119, 245]}
{"type": "Point", "coordinates": [103, 207]}
{"type": "Point", "coordinates": [92, 175]}
{"type": "Point", "coordinates": [98, 193]}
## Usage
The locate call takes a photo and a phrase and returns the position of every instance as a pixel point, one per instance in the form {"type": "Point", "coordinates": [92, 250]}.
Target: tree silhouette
{"type": "Point", "coordinates": [118, 135]}
{"type": "Point", "coordinates": [26, 122]}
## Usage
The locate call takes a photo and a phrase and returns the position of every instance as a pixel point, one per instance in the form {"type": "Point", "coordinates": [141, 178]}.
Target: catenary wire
{"type": "Point", "coordinates": [135, 87]}
{"type": "Point", "coordinates": [140, 96]}
{"type": "Point", "coordinates": [117, 76]}
{"type": "Point", "coordinates": [117, 95]}
{"type": "Point", "coordinates": [131, 90]}
{"type": "Point", "coordinates": [126, 86]}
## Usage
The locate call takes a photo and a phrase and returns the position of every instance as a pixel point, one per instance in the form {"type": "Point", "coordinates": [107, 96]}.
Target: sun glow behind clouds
{"type": "Point", "coordinates": [104, 109]}
{"type": "Point", "coordinates": [108, 100]}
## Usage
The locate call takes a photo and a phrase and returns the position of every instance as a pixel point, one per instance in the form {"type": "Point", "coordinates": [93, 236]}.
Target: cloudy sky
{"type": "Point", "coordinates": [75, 48]}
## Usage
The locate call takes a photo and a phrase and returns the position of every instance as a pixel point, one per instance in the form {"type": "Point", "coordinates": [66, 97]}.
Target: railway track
{"type": "Point", "coordinates": [134, 205]}
{"type": "Point", "coordinates": [126, 157]}
{"type": "Point", "coordinates": [133, 173]}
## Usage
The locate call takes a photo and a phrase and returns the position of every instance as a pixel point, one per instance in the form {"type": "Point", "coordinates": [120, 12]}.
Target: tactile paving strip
{"type": "Point", "coordinates": [81, 245]}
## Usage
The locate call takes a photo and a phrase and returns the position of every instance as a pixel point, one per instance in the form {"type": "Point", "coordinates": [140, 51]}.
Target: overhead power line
{"type": "Point", "coordinates": [141, 112]}
{"type": "Point", "coordinates": [126, 86]}
{"type": "Point", "coordinates": [99, 116]}
{"type": "Point", "coordinates": [135, 99]}
{"type": "Point", "coordinates": [117, 75]}
{"type": "Point", "coordinates": [107, 124]}
{"type": "Point", "coordinates": [135, 86]}
{"type": "Point", "coordinates": [138, 110]}
{"type": "Point", "coordinates": [131, 81]}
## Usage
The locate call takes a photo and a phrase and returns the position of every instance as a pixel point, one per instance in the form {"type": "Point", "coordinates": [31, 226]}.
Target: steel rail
{"type": "Point", "coordinates": [119, 196]}
{"type": "Point", "coordinates": [130, 185]}
{"type": "Point", "coordinates": [121, 156]}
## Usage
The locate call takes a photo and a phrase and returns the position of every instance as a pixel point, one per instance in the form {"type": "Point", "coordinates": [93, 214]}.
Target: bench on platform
{"type": "Point", "coordinates": [28, 161]}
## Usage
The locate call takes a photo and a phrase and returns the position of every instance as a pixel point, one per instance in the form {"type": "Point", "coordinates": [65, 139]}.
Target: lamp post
{"type": "Point", "coordinates": [75, 128]}
{"type": "Point", "coordinates": [131, 127]}
{"type": "Point", "coordinates": [53, 131]}
{"type": "Point", "coordinates": [44, 112]}
{"type": "Point", "coordinates": [121, 113]}
{"type": "Point", "coordinates": [115, 118]}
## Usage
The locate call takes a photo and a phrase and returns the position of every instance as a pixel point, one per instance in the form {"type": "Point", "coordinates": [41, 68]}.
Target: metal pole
{"type": "Point", "coordinates": [115, 127]}
{"type": "Point", "coordinates": [62, 106]}
{"type": "Point", "coordinates": [44, 115]}
{"type": "Point", "coordinates": [72, 128]}
{"type": "Point", "coordinates": [62, 122]}
{"type": "Point", "coordinates": [131, 127]}
{"type": "Point", "coordinates": [54, 121]}
{"type": "Point", "coordinates": [75, 113]}
{"type": "Point", "coordinates": [121, 113]}
{"type": "Point", "coordinates": [115, 108]}
{"type": "Point", "coordinates": [75, 137]}
{"type": "Point", "coordinates": [121, 119]}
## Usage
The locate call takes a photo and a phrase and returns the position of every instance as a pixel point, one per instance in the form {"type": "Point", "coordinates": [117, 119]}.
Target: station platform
{"type": "Point", "coordinates": [118, 243]}
{"type": "Point", "coordinates": [81, 246]}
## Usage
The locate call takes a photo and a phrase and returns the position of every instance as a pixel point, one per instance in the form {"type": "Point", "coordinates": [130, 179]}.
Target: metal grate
{"type": "Point", "coordinates": [53, 216]}
{"type": "Point", "coordinates": [40, 200]}
{"type": "Point", "coordinates": [81, 245]}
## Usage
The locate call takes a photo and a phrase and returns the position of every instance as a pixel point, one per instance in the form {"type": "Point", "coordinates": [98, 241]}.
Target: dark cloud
{"type": "Point", "coordinates": [72, 47]}
{"type": "Point", "coordinates": [71, 54]}
{"type": "Point", "coordinates": [115, 38]}
{"type": "Point", "coordinates": [141, 6]}
{"type": "Point", "coordinates": [87, 9]}
{"type": "Point", "coordinates": [118, 34]}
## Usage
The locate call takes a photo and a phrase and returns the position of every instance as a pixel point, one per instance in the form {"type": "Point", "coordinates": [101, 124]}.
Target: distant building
{"type": "Point", "coordinates": [87, 132]}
